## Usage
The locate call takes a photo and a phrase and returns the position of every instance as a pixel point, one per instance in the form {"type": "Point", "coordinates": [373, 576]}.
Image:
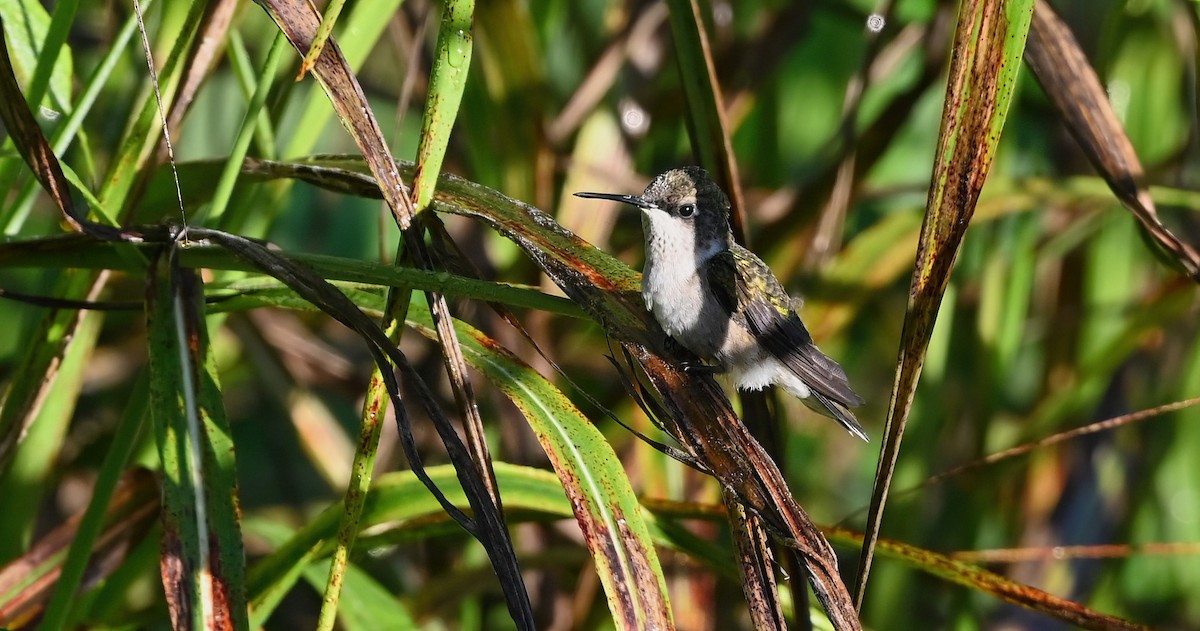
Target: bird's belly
{"type": "Point", "coordinates": [684, 311]}
{"type": "Point", "coordinates": [693, 317]}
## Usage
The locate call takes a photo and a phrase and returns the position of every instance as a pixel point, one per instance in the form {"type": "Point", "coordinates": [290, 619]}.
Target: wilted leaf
{"type": "Point", "coordinates": [1073, 87]}
{"type": "Point", "coordinates": [988, 44]}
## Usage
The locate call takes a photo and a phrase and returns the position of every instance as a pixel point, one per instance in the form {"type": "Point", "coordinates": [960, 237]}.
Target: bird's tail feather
{"type": "Point", "coordinates": [825, 406]}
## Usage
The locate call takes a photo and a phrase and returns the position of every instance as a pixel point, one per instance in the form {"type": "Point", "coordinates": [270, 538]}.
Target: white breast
{"type": "Point", "coordinates": [675, 297]}
{"type": "Point", "coordinates": [675, 287]}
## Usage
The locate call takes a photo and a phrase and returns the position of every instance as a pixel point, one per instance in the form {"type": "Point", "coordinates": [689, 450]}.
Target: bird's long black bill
{"type": "Point", "coordinates": [632, 200]}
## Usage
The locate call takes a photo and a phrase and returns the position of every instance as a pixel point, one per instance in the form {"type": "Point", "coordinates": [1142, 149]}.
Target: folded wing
{"type": "Point", "coordinates": [745, 286]}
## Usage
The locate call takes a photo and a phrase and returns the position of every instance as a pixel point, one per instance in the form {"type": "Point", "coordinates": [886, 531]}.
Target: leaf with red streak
{"type": "Point", "coordinates": [203, 562]}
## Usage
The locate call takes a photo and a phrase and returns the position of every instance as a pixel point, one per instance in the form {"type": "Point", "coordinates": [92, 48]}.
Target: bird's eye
{"type": "Point", "coordinates": [687, 210]}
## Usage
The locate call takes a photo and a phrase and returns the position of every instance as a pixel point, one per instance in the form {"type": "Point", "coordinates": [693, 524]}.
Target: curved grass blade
{"type": "Point", "coordinates": [203, 563]}
{"type": "Point", "coordinates": [298, 21]}
{"type": "Point", "coordinates": [1072, 85]}
{"type": "Point", "coordinates": [988, 44]}
{"type": "Point", "coordinates": [601, 496]}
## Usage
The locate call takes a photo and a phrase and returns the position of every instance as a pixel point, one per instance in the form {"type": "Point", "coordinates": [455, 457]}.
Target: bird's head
{"type": "Point", "coordinates": [683, 206]}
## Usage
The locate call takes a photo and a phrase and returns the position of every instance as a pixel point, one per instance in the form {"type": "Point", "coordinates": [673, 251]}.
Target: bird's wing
{"type": "Point", "coordinates": [739, 279]}
{"type": "Point", "coordinates": [746, 287]}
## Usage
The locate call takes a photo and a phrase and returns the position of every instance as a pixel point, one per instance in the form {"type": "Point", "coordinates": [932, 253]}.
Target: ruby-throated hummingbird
{"type": "Point", "coordinates": [721, 302]}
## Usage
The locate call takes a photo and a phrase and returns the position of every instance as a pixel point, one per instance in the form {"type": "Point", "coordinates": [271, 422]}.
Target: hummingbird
{"type": "Point", "coordinates": [722, 303]}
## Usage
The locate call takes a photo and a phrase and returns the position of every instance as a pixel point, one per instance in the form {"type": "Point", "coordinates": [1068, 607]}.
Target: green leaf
{"type": "Point", "coordinates": [706, 107]}
{"type": "Point", "coordinates": [447, 79]}
{"type": "Point", "coordinates": [26, 25]}
{"type": "Point", "coordinates": [989, 43]}
{"type": "Point", "coordinates": [116, 459]}
{"type": "Point", "coordinates": [401, 503]}
{"type": "Point", "coordinates": [368, 605]}
{"type": "Point", "coordinates": [601, 495]}
{"type": "Point", "coordinates": [203, 563]}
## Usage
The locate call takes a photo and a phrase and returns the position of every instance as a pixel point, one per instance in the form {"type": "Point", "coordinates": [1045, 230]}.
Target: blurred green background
{"type": "Point", "coordinates": [1059, 312]}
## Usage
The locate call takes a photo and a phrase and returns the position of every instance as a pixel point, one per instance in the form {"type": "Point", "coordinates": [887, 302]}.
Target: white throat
{"type": "Point", "coordinates": [671, 278]}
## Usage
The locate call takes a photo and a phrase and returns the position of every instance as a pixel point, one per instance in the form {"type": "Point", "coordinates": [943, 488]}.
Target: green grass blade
{"type": "Point", "coordinates": [363, 28]}
{"type": "Point", "coordinates": [706, 108]}
{"type": "Point", "coordinates": [24, 480]}
{"type": "Point", "coordinates": [988, 45]}
{"type": "Point", "coordinates": [447, 80]}
{"type": "Point", "coordinates": [233, 165]}
{"type": "Point", "coordinates": [36, 42]}
{"type": "Point", "coordinates": [203, 564]}
{"type": "Point", "coordinates": [324, 31]}
{"type": "Point", "coordinates": [601, 495]}
{"type": "Point", "coordinates": [146, 131]}
{"type": "Point", "coordinates": [79, 252]}
{"type": "Point", "coordinates": [239, 61]}
{"type": "Point", "coordinates": [40, 57]}
{"type": "Point", "coordinates": [115, 461]}
{"type": "Point", "coordinates": [13, 216]}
